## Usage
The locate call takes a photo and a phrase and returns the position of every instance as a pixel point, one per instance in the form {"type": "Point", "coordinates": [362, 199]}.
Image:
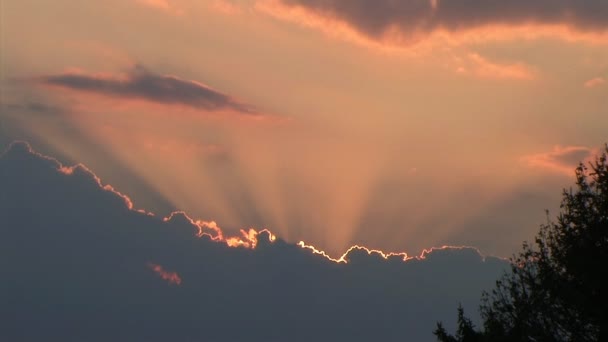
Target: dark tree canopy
{"type": "Point", "coordinates": [557, 289]}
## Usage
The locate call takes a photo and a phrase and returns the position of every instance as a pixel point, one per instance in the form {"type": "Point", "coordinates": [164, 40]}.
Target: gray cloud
{"type": "Point", "coordinates": [78, 263]}
{"type": "Point", "coordinates": [374, 18]}
{"type": "Point", "coordinates": [141, 83]}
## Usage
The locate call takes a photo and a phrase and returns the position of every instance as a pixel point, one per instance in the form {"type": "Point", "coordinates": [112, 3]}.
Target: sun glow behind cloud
{"type": "Point", "coordinates": [334, 191]}
{"type": "Point", "coordinates": [248, 239]}
{"type": "Point", "coordinates": [119, 263]}
{"type": "Point", "coordinates": [312, 129]}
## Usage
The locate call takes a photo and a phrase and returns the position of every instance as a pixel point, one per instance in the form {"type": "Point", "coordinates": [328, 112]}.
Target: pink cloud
{"type": "Point", "coordinates": [480, 66]}
{"type": "Point", "coordinates": [562, 159]}
{"type": "Point", "coordinates": [171, 277]}
{"type": "Point", "coordinates": [595, 82]}
{"type": "Point", "coordinates": [163, 5]}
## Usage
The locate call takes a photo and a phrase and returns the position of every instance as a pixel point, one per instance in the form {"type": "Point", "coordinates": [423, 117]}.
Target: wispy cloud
{"type": "Point", "coordinates": [562, 159]}
{"type": "Point", "coordinates": [479, 66]}
{"type": "Point", "coordinates": [163, 5]}
{"type": "Point", "coordinates": [595, 82]}
{"type": "Point", "coordinates": [142, 84]}
{"type": "Point", "coordinates": [171, 277]}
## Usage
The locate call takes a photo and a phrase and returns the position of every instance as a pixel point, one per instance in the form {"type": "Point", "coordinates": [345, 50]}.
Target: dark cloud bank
{"type": "Point", "coordinates": [373, 18]}
{"type": "Point", "coordinates": [141, 83]}
{"type": "Point", "coordinates": [79, 265]}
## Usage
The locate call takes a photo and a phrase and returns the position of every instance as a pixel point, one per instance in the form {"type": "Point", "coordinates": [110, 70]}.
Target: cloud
{"type": "Point", "coordinates": [595, 82]}
{"type": "Point", "coordinates": [143, 84]}
{"type": "Point", "coordinates": [170, 277]}
{"type": "Point", "coordinates": [411, 20]}
{"type": "Point", "coordinates": [163, 5]}
{"type": "Point", "coordinates": [480, 66]}
{"type": "Point", "coordinates": [79, 262]}
{"type": "Point", "coordinates": [562, 159]}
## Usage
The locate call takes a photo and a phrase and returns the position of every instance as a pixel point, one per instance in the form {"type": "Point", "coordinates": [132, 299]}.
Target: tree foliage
{"type": "Point", "coordinates": [557, 289]}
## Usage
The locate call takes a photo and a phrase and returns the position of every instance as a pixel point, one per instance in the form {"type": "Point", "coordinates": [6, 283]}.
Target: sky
{"type": "Point", "coordinates": [277, 170]}
{"type": "Point", "coordinates": [399, 126]}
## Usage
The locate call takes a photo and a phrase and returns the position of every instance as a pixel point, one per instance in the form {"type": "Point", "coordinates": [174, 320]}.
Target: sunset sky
{"type": "Point", "coordinates": [395, 125]}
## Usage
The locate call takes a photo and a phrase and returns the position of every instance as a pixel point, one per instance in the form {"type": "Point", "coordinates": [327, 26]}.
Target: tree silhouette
{"type": "Point", "coordinates": [557, 289]}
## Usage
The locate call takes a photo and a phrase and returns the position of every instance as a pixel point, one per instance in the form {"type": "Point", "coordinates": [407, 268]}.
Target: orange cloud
{"type": "Point", "coordinates": [248, 239]}
{"type": "Point", "coordinates": [479, 66]}
{"type": "Point", "coordinates": [163, 5]}
{"type": "Point", "coordinates": [171, 277]}
{"type": "Point", "coordinates": [562, 159]}
{"type": "Point", "coordinates": [595, 82]}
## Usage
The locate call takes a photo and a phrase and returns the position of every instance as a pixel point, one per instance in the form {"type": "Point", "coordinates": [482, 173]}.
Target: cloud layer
{"type": "Point", "coordinates": [143, 84]}
{"type": "Point", "coordinates": [412, 18]}
{"type": "Point", "coordinates": [79, 263]}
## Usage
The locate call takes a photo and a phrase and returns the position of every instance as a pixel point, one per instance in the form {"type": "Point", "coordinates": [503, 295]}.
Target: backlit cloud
{"type": "Point", "coordinates": [142, 84]}
{"type": "Point", "coordinates": [123, 274]}
{"type": "Point", "coordinates": [411, 20]}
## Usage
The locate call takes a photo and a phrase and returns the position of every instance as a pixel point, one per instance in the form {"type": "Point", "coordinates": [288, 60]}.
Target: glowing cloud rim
{"type": "Point", "coordinates": [393, 37]}
{"type": "Point", "coordinates": [248, 239]}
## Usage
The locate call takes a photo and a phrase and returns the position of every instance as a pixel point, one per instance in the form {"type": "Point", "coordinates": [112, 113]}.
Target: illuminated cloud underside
{"type": "Point", "coordinates": [411, 21]}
